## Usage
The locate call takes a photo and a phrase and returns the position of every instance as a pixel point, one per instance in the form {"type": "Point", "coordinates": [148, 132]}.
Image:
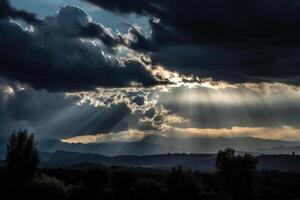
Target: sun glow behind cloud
{"type": "Point", "coordinates": [209, 94]}
{"type": "Point", "coordinates": [166, 121]}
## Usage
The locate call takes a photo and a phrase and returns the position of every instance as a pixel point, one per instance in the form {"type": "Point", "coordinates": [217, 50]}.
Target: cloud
{"type": "Point", "coordinates": [56, 56]}
{"type": "Point", "coordinates": [7, 11]}
{"type": "Point", "coordinates": [160, 118]}
{"type": "Point", "coordinates": [236, 41]}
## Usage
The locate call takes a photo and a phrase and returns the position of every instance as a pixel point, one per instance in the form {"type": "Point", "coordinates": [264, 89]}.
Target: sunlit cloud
{"type": "Point", "coordinates": [276, 133]}
{"type": "Point", "coordinates": [175, 119]}
{"type": "Point", "coordinates": [9, 90]}
{"type": "Point", "coordinates": [281, 132]}
{"type": "Point", "coordinates": [124, 136]}
{"type": "Point", "coordinates": [137, 99]}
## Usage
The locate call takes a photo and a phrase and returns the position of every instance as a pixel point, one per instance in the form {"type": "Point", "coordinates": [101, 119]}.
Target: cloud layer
{"type": "Point", "coordinates": [236, 41]}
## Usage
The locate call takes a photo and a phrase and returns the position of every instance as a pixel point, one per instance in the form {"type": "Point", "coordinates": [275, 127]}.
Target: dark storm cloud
{"type": "Point", "coordinates": [54, 57]}
{"type": "Point", "coordinates": [233, 40]}
{"type": "Point", "coordinates": [238, 65]}
{"type": "Point", "coordinates": [7, 11]}
{"type": "Point", "coordinates": [92, 30]}
{"type": "Point", "coordinates": [219, 20]}
{"type": "Point", "coordinates": [134, 39]}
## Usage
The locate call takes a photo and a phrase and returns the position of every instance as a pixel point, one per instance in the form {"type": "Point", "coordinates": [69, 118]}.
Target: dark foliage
{"type": "Point", "coordinates": [53, 184]}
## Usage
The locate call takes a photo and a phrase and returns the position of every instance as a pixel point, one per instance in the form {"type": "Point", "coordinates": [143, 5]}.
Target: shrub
{"type": "Point", "coordinates": [45, 187]}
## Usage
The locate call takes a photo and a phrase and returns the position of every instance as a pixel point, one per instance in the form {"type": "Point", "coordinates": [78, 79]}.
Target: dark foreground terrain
{"type": "Point", "coordinates": [144, 183]}
{"type": "Point", "coordinates": [227, 175]}
{"type": "Point", "coordinates": [68, 176]}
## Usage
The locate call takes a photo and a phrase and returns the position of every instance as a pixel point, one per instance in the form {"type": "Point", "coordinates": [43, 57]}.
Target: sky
{"type": "Point", "coordinates": [93, 71]}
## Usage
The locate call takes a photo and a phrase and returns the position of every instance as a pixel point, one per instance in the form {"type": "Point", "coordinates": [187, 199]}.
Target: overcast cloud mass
{"type": "Point", "coordinates": [111, 70]}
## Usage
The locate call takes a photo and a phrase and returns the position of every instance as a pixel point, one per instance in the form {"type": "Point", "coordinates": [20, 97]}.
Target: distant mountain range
{"type": "Point", "coordinates": [202, 162]}
{"type": "Point", "coordinates": [281, 150]}
{"type": "Point", "coordinates": [163, 145]}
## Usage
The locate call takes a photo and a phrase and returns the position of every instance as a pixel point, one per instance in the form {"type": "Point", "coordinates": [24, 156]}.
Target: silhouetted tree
{"type": "Point", "coordinates": [236, 173]}
{"type": "Point", "coordinates": [22, 157]}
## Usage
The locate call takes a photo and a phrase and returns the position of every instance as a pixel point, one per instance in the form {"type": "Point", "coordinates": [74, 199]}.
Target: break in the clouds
{"type": "Point", "coordinates": [236, 41]}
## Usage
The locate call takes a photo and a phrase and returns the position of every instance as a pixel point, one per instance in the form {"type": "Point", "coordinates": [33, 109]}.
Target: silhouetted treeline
{"type": "Point", "coordinates": [138, 183]}
{"type": "Point", "coordinates": [236, 178]}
